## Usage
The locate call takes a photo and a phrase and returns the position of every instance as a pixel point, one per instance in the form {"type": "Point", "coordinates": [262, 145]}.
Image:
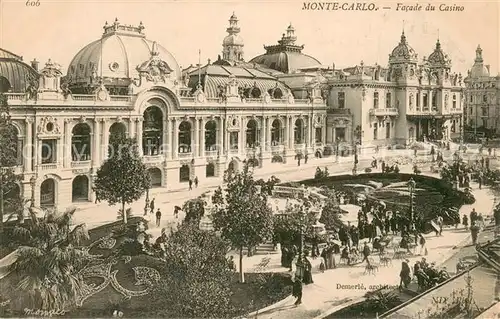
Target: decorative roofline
{"type": "Point", "coordinates": [283, 48]}
{"type": "Point", "coordinates": [118, 28]}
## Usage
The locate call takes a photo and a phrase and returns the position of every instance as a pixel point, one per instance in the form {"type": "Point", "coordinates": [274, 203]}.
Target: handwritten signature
{"type": "Point", "coordinates": [43, 313]}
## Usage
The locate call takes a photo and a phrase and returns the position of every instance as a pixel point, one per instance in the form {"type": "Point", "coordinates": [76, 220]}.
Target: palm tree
{"type": "Point", "coordinates": [49, 259]}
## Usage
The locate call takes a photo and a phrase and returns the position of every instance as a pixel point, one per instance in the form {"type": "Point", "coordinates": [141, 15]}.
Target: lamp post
{"type": "Point", "coordinates": [146, 205]}
{"type": "Point", "coordinates": [300, 260]}
{"type": "Point", "coordinates": [357, 141]}
{"type": "Point", "coordinates": [33, 185]}
{"type": "Point", "coordinates": [411, 188]}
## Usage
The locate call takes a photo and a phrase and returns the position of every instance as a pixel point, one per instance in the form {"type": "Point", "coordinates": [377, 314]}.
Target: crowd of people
{"type": "Point", "coordinates": [426, 275]}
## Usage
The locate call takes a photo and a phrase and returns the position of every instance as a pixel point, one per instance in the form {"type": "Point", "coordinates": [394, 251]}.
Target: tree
{"type": "Point", "coordinates": [123, 178]}
{"type": "Point", "coordinates": [8, 154]}
{"type": "Point", "coordinates": [295, 221]}
{"type": "Point", "coordinates": [194, 210]}
{"type": "Point", "coordinates": [49, 259]}
{"type": "Point", "coordinates": [196, 277]}
{"type": "Point", "coordinates": [242, 213]}
{"type": "Point", "coordinates": [330, 214]}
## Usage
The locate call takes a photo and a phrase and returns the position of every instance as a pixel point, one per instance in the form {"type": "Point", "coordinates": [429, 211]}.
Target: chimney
{"type": "Point", "coordinates": [208, 61]}
{"type": "Point", "coordinates": [488, 67]}
{"type": "Point", "coordinates": [34, 64]}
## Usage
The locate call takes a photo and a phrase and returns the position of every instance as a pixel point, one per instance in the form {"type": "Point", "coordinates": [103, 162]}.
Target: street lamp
{"type": "Point", "coordinates": [300, 260]}
{"type": "Point", "coordinates": [411, 188]}
{"type": "Point", "coordinates": [357, 133]}
{"type": "Point", "coordinates": [32, 184]}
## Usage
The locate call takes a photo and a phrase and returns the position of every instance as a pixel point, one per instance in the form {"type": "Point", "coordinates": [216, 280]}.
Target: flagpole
{"type": "Point", "coordinates": [199, 67]}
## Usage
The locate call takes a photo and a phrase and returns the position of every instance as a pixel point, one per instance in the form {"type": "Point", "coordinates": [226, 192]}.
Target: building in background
{"type": "Point", "coordinates": [482, 100]}
{"type": "Point", "coordinates": [406, 101]}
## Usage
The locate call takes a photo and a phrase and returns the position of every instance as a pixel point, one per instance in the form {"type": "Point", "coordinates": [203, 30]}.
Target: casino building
{"type": "Point", "coordinates": [201, 120]}
{"type": "Point", "coordinates": [187, 124]}
{"type": "Point", "coordinates": [482, 97]}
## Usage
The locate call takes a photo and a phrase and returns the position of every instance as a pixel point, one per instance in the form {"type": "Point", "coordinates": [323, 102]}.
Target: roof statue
{"type": "Point", "coordinates": [155, 69]}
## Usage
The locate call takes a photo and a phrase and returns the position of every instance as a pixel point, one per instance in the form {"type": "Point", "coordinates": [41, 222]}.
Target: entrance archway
{"type": "Point", "coordinates": [210, 170]}
{"type": "Point", "coordinates": [152, 131]}
{"type": "Point", "coordinates": [48, 193]}
{"type": "Point", "coordinates": [155, 174]}
{"type": "Point", "coordinates": [80, 189]}
{"type": "Point", "coordinates": [184, 173]}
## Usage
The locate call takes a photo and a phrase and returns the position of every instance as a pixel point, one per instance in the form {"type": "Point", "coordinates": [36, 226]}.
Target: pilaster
{"type": "Point", "coordinates": [196, 148]}
{"type": "Point", "coordinates": [28, 146]}
{"type": "Point", "coordinates": [96, 144]}
{"type": "Point", "coordinates": [67, 143]}
{"type": "Point", "coordinates": [104, 138]}
{"type": "Point", "coordinates": [169, 146]}
{"type": "Point", "coordinates": [268, 134]}
{"type": "Point", "coordinates": [175, 133]}
{"type": "Point", "coordinates": [138, 134]}
{"type": "Point", "coordinates": [202, 137]}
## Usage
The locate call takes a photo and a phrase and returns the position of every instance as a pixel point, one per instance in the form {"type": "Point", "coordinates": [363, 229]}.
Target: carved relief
{"type": "Point", "coordinates": [48, 126]}
{"type": "Point", "coordinates": [155, 69]}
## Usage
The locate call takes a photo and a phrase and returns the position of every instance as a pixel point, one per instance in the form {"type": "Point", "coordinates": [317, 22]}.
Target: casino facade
{"type": "Point", "coordinates": [201, 120]}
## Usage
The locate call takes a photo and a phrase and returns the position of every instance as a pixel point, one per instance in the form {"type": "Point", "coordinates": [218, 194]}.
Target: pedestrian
{"type": "Point", "coordinates": [97, 198]}
{"type": "Point", "coordinates": [423, 249]}
{"type": "Point", "coordinates": [306, 157]}
{"type": "Point", "coordinates": [366, 253]}
{"type": "Point", "coordinates": [176, 211]}
{"type": "Point", "coordinates": [465, 221]}
{"type": "Point", "coordinates": [439, 221]}
{"type": "Point", "coordinates": [404, 274]}
{"type": "Point", "coordinates": [297, 290]}
{"type": "Point", "coordinates": [480, 179]}
{"type": "Point", "coordinates": [158, 217]}
{"type": "Point", "coordinates": [196, 182]}
{"type": "Point", "coordinates": [474, 231]}
{"type": "Point", "coordinates": [152, 206]}
{"type": "Point", "coordinates": [190, 184]}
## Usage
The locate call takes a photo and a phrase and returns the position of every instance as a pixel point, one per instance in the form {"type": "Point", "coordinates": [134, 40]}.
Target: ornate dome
{"type": "Point", "coordinates": [233, 38]}
{"type": "Point", "coordinates": [286, 56]}
{"type": "Point", "coordinates": [403, 52]}
{"type": "Point", "coordinates": [15, 75]}
{"type": "Point", "coordinates": [438, 58]}
{"type": "Point", "coordinates": [479, 69]}
{"type": "Point", "coordinates": [117, 55]}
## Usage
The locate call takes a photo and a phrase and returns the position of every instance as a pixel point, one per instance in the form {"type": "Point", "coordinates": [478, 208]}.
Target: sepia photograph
{"type": "Point", "coordinates": [249, 159]}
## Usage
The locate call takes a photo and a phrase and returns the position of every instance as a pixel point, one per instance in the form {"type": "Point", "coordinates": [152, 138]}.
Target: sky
{"type": "Point", "coordinates": [59, 29]}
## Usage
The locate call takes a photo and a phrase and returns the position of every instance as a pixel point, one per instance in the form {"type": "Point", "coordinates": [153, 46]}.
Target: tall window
{"type": "Point", "coordinates": [318, 135]}
{"type": "Point", "coordinates": [375, 100]}
{"type": "Point", "coordinates": [276, 133]}
{"type": "Point", "coordinates": [233, 140]}
{"type": "Point", "coordinates": [454, 102]}
{"type": "Point", "coordinates": [375, 131]}
{"type": "Point", "coordinates": [341, 99]}
{"type": "Point", "coordinates": [485, 98]}
{"type": "Point", "coordinates": [425, 103]}
{"type": "Point", "coordinates": [49, 151]}
{"type": "Point", "coordinates": [434, 100]}
{"type": "Point", "coordinates": [418, 101]}
{"type": "Point", "coordinates": [485, 111]}
{"type": "Point", "coordinates": [211, 136]}
{"type": "Point", "coordinates": [410, 102]}
{"type": "Point", "coordinates": [184, 137]}
{"type": "Point", "coordinates": [388, 97]}
{"type": "Point", "coordinates": [340, 134]}
{"type": "Point", "coordinates": [152, 131]}
{"type": "Point", "coordinates": [80, 143]}
{"type": "Point", "coordinates": [387, 130]}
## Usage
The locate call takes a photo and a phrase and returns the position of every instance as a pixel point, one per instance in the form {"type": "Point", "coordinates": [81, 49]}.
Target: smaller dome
{"type": "Point", "coordinates": [233, 39]}
{"type": "Point", "coordinates": [403, 52]}
{"type": "Point", "coordinates": [438, 57]}
{"type": "Point", "coordinates": [15, 75]}
{"type": "Point", "coordinates": [479, 69]}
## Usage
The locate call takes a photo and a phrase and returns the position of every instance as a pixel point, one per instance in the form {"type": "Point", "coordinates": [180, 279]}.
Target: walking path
{"type": "Point", "coordinates": [335, 287]}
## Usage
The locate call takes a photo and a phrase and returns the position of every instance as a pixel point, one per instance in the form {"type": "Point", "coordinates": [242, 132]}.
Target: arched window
{"type": "Point", "coordinates": [117, 130]}
{"type": "Point", "coordinates": [255, 93]}
{"type": "Point", "coordinates": [152, 131]}
{"type": "Point", "coordinates": [252, 134]}
{"type": "Point", "coordinates": [80, 188]}
{"type": "Point", "coordinates": [155, 175]}
{"type": "Point", "coordinates": [211, 136]}
{"type": "Point", "coordinates": [4, 85]}
{"type": "Point", "coordinates": [184, 137]}
{"type": "Point", "coordinates": [277, 93]}
{"type": "Point", "coordinates": [48, 193]}
{"type": "Point", "coordinates": [375, 100]}
{"type": "Point", "coordinates": [299, 131]}
{"type": "Point", "coordinates": [80, 143]}
{"type": "Point", "coordinates": [276, 136]}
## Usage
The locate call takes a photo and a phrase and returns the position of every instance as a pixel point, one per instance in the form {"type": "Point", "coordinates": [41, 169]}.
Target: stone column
{"type": "Point", "coordinates": [202, 137]}
{"type": "Point", "coordinates": [39, 151]}
{"type": "Point", "coordinates": [242, 137]}
{"type": "Point", "coordinates": [138, 134]}
{"type": "Point", "coordinates": [323, 132]}
{"type": "Point", "coordinates": [131, 127]}
{"type": "Point", "coordinates": [96, 144]}
{"type": "Point", "coordinates": [263, 133]}
{"type": "Point", "coordinates": [291, 135]}
{"type": "Point", "coordinates": [104, 138]}
{"type": "Point", "coordinates": [196, 149]}
{"type": "Point", "coordinates": [175, 137]}
{"type": "Point", "coordinates": [268, 134]}
{"type": "Point", "coordinates": [286, 131]}
{"type": "Point", "coordinates": [28, 146]}
{"type": "Point", "coordinates": [225, 148]}
{"type": "Point", "coordinates": [168, 140]}
{"type": "Point", "coordinates": [67, 143]}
